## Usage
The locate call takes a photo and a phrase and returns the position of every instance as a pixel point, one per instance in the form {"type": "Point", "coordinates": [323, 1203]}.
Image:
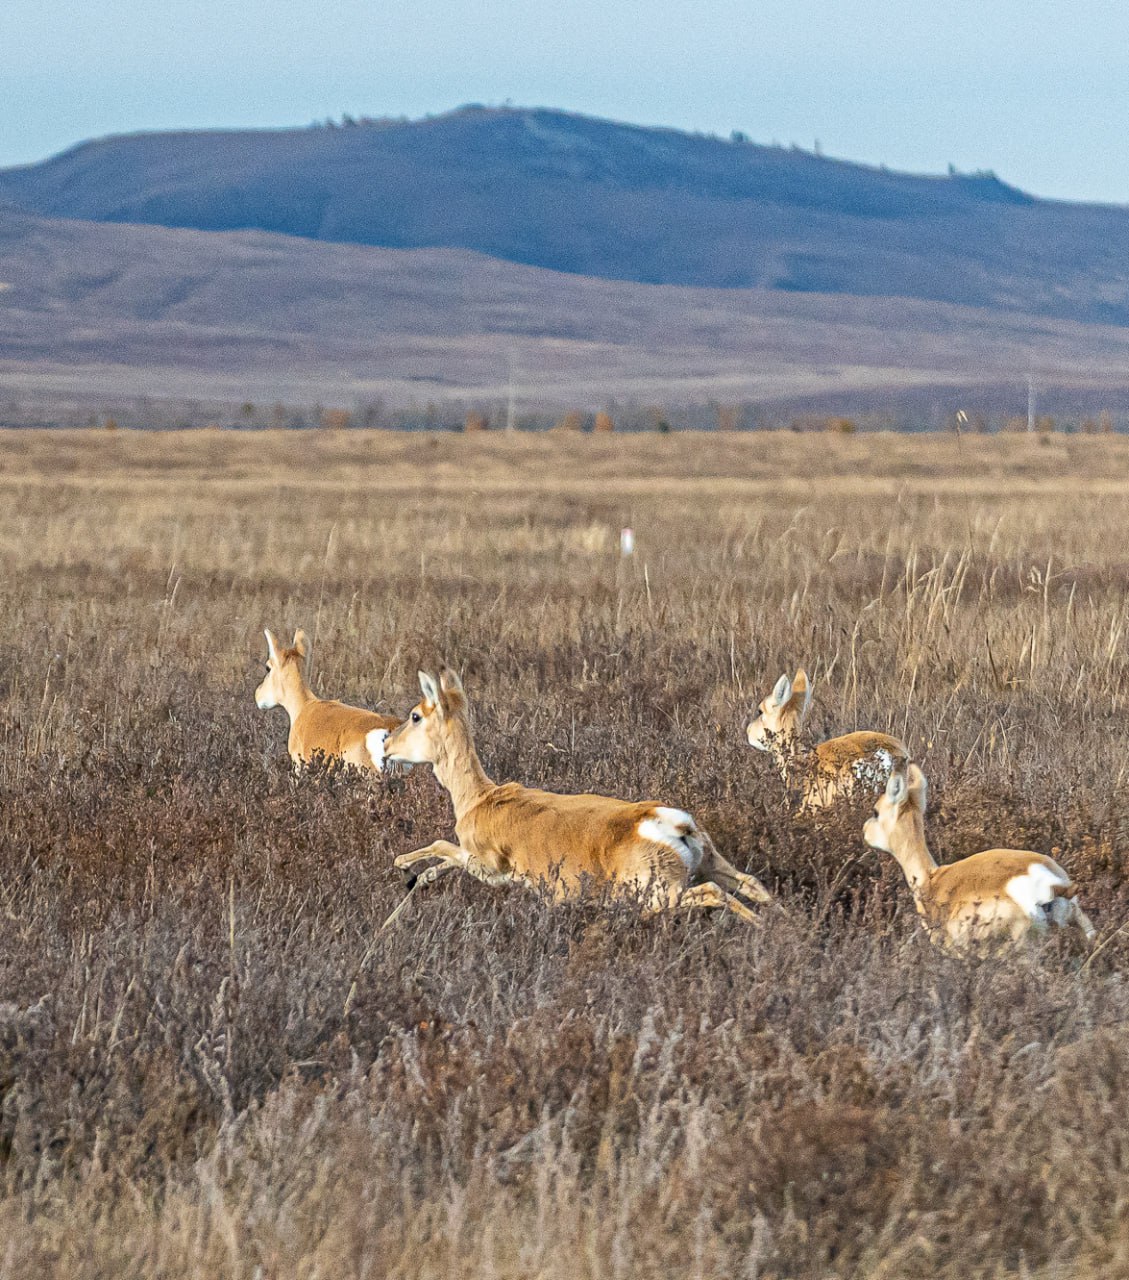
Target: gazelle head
{"type": "Point", "coordinates": [781, 715]}
{"type": "Point", "coordinates": [902, 803]}
{"type": "Point", "coordinates": [422, 738]}
{"type": "Point", "coordinates": [284, 670]}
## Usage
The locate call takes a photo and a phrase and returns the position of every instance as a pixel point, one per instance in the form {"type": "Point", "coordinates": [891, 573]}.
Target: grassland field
{"type": "Point", "coordinates": [214, 1065]}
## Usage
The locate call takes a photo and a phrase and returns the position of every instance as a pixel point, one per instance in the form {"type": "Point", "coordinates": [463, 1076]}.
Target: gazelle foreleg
{"type": "Point", "coordinates": [444, 849]}
{"type": "Point", "coordinates": [1065, 912]}
{"type": "Point", "coordinates": [452, 859]}
{"type": "Point", "coordinates": [429, 876]}
{"type": "Point", "coordinates": [451, 855]}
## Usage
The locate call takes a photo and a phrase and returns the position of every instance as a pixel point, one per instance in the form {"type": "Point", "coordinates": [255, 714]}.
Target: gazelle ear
{"type": "Point", "coordinates": [430, 688]}
{"type": "Point", "coordinates": [452, 689]}
{"type": "Point", "coordinates": [301, 643]}
{"type": "Point", "coordinates": [272, 642]}
{"type": "Point", "coordinates": [897, 789]}
{"type": "Point", "coordinates": [801, 691]}
{"type": "Point", "coordinates": [918, 787]}
{"type": "Point", "coordinates": [782, 692]}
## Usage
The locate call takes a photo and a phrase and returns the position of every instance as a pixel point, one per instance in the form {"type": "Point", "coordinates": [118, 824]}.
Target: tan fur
{"type": "Point", "coordinates": [968, 903]}
{"type": "Point", "coordinates": [332, 729]}
{"type": "Point", "coordinates": [832, 770]}
{"type": "Point", "coordinates": [510, 832]}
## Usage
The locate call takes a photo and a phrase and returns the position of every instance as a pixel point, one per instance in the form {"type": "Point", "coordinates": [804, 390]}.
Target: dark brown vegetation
{"type": "Point", "coordinates": [212, 1063]}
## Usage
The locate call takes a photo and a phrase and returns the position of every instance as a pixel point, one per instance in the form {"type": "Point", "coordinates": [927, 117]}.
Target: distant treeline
{"type": "Point", "coordinates": [161, 415]}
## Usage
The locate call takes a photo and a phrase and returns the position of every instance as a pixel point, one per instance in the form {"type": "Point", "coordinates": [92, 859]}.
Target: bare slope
{"type": "Point", "coordinates": [601, 199]}
{"type": "Point", "coordinates": [147, 310]}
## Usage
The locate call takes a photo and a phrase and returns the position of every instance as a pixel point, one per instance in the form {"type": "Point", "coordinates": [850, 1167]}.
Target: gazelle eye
{"type": "Point", "coordinates": [416, 717]}
{"type": "Point", "coordinates": [874, 815]}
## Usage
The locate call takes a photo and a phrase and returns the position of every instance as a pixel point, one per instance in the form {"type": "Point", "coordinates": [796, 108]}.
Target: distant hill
{"type": "Point", "coordinates": [593, 198]}
{"type": "Point", "coordinates": [108, 311]}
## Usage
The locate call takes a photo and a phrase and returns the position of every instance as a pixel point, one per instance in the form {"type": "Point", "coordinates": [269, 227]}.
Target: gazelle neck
{"type": "Point", "coordinates": [296, 694]}
{"type": "Point", "coordinates": [457, 767]}
{"type": "Point", "coordinates": [907, 844]}
{"type": "Point", "coordinates": [786, 751]}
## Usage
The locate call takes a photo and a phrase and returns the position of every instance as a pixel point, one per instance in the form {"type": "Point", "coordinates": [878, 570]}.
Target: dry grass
{"type": "Point", "coordinates": [213, 1065]}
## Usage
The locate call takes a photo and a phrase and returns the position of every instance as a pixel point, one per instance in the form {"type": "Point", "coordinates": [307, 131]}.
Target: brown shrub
{"type": "Point", "coordinates": [572, 421]}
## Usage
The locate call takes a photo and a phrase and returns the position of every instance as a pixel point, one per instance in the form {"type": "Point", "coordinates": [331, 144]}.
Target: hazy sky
{"type": "Point", "coordinates": [1038, 91]}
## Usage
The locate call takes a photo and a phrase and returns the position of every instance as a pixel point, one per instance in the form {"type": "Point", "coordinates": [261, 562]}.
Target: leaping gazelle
{"type": "Point", "coordinates": [509, 832]}
{"type": "Point", "coordinates": [337, 731]}
{"type": "Point", "coordinates": [998, 896]}
{"type": "Point", "coordinates": [831, 770]}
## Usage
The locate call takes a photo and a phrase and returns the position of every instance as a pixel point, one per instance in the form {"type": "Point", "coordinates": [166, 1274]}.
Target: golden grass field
{"type": "Point", "coordinates": [213, 1064]}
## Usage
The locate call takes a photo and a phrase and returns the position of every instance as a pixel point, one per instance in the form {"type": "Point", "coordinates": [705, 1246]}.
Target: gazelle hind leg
{"type": "Point", "coordinates": [726, 874]}
{"type": "Point", "coordinates": [741, 882]}
{"type": "Point", "coordinates": [710, 895]}
{"type": "Point", "coordinates": [752, 888]}
{"type": "Point", "coordinates": [1067, 914]}
{"type": "Point", "coordinates": [1081, 921]}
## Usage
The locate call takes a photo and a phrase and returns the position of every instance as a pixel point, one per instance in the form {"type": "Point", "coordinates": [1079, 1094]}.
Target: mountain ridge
{"type": "Point", "coordinates": [596, 198]}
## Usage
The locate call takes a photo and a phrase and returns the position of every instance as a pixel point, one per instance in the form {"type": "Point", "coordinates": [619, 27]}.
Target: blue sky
{"type": "Point", "coordinates": [1037, 91]}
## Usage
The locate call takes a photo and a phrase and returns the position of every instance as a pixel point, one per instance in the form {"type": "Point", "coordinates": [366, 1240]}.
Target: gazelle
{"type": "Point", "coordinates": [509, 832]}
{"type": "Point", "coordinates": [338, 731]}
{"type": "Point", "coordinates": [998, 896]}
{"type": "Point", "coordinates": [830, 770]}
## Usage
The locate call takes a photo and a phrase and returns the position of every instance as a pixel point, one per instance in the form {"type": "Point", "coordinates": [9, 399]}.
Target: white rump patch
{"type": "Point", "coordinates": [675, 828]}
{"type": "Point", "coordinates": [1035, 889]}
{"type": "Point", "coordinates": [875, 769]}
{"type": "Point", "coordinates": [374, 744]}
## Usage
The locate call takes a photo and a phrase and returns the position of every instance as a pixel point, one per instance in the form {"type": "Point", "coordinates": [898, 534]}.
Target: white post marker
{"type": "Point", "coordinates": [627, 542]}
